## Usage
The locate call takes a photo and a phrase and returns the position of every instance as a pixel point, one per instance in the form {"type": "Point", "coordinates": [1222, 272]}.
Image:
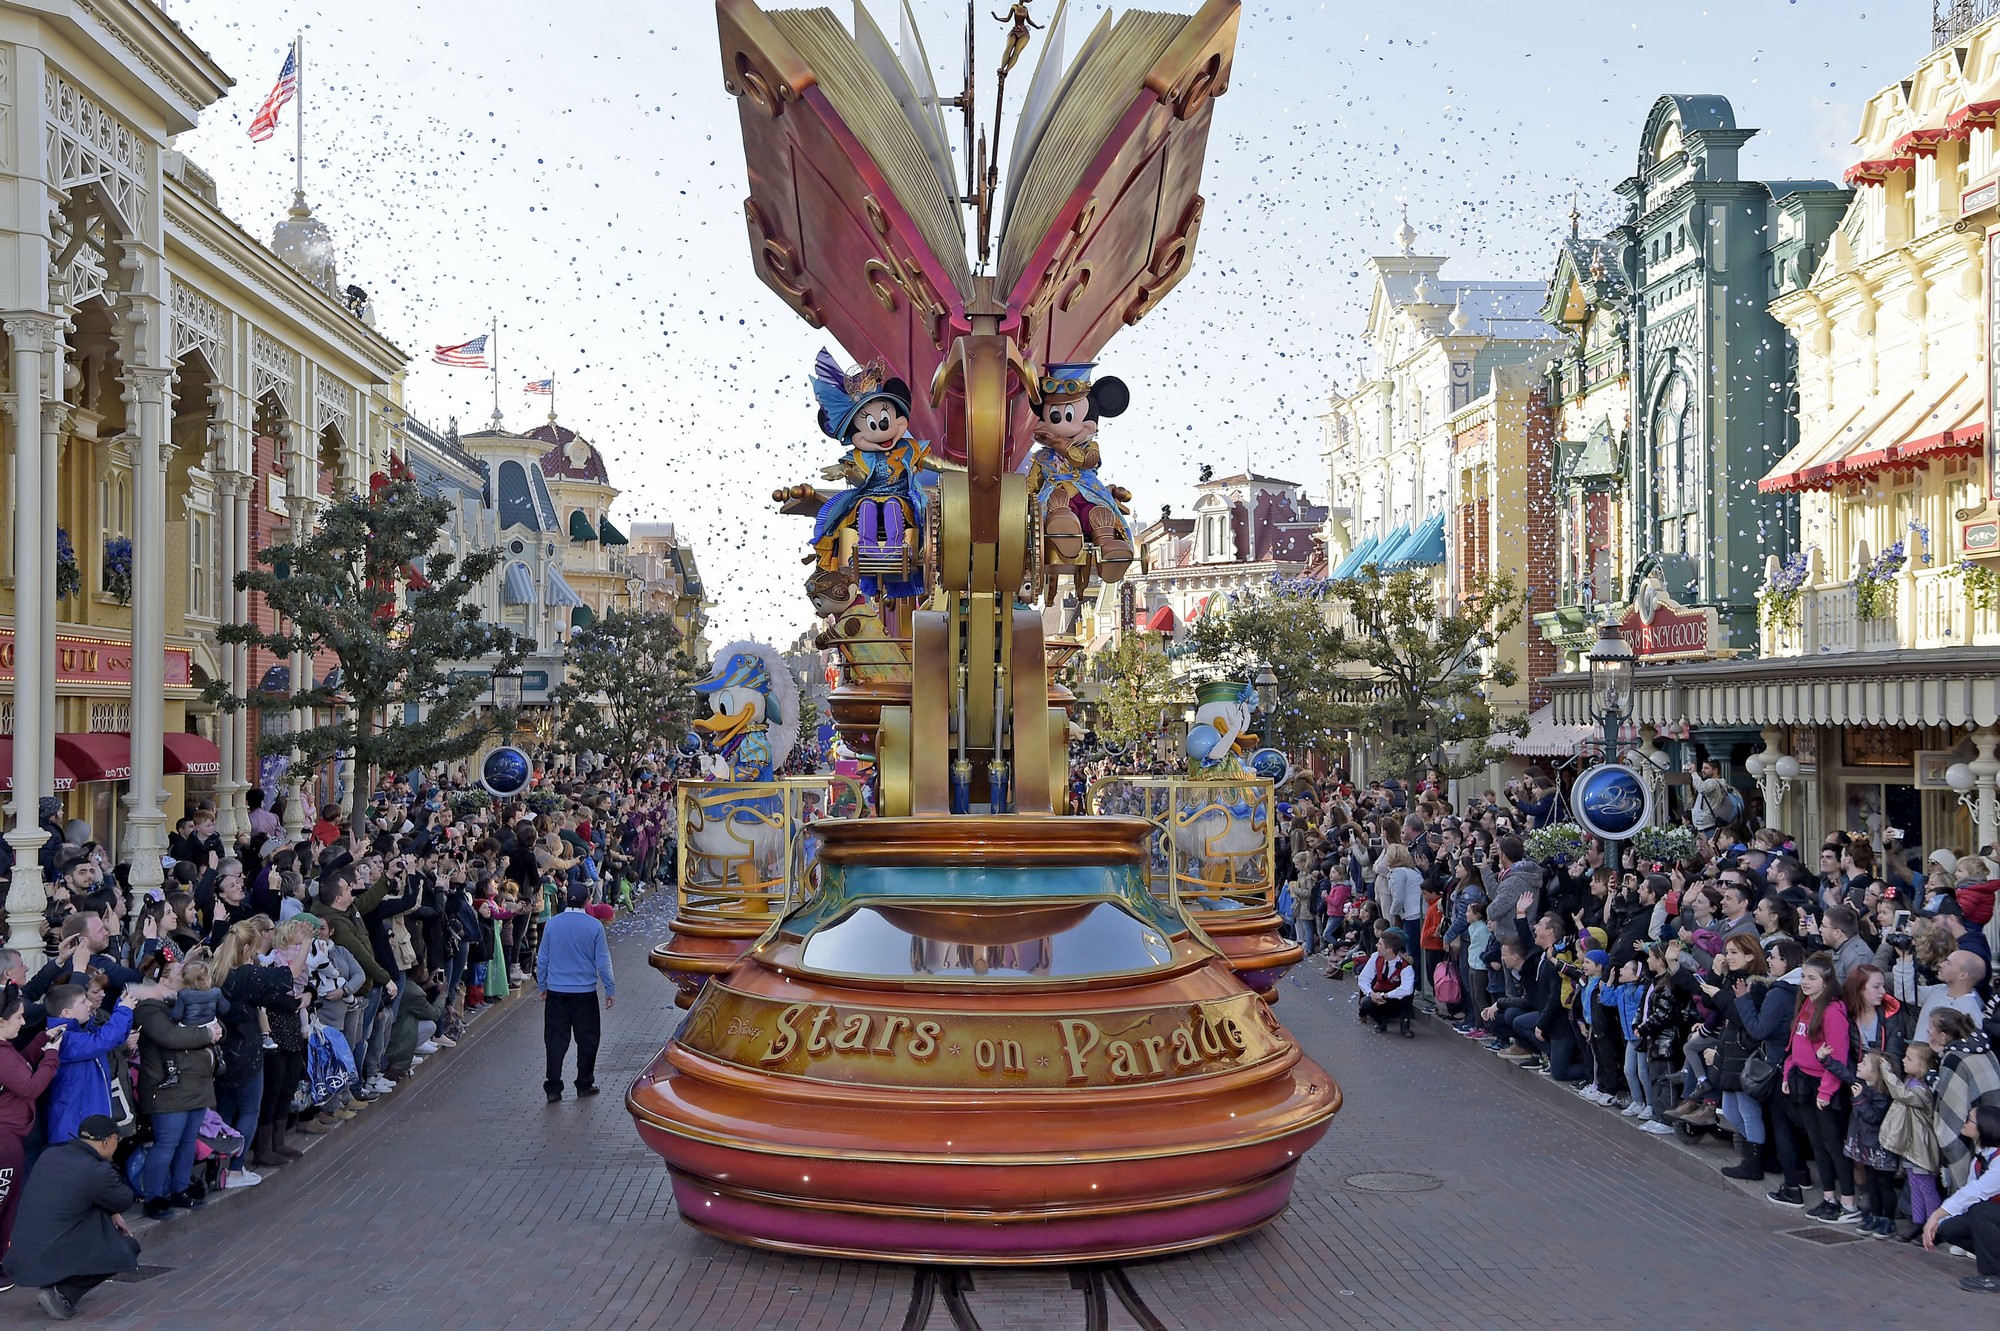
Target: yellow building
{"type": "Point", "coordinates": [177, 396]}
{"type": "Point", "coordinates": [1897, 677]}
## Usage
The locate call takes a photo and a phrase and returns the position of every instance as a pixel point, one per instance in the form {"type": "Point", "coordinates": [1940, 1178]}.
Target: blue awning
{"type": "Point", "coordinates": [517, 586]}
{"type": "Point", "coordinates": [1423, 548]}
{"type": "Point", "coordinates": [557, 592]}
{"type": "Point", "coordinates": [1356, 557]}
{"type": "Point", "coordinates": [1392, 549]}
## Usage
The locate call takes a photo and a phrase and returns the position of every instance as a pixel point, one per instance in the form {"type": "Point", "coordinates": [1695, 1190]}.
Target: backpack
{"type": "Point", "coordinates": [1731, 808]}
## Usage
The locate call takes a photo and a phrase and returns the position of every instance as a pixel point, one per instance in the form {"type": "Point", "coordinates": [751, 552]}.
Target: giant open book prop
{"type": "Point", "coordinates": [855, 212]}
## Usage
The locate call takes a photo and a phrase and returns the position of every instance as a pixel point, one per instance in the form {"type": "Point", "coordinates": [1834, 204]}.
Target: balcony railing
{"type": "Point", "coordinates": [1952, 19]}
{"type": "Point", "coordinates": [1930, 609]}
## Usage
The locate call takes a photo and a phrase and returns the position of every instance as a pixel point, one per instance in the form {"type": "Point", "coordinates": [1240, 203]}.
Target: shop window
{"type": "Point", "coordinates": [114, 717]}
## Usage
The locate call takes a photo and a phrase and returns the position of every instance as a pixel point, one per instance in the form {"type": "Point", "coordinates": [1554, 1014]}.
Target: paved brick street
{"type": "Point", "coordinates": [465, 1201]}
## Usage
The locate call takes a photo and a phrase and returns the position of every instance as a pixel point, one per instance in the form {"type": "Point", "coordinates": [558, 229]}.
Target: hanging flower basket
{"type": "Point", "coordinates": [1875, 586]}
{"type": "Point", "coordinates": [118, 569]}
{"type": "Point", "coordinates": [467, 803]}
{"type": "Point", "coordinates": [1664, 844]}
{"type": "Point", "coordinates": [1982, 584]}
{"type": "Point", "coordinates": [1779, 601]}
{"type": "Point", "coordinates": [69, 574]}
{"type": "Point", "coordinates": [1554, 845]}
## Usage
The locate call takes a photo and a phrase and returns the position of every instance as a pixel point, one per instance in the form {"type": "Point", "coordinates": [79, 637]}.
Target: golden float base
{"type": "Point", "coordinates": [982, 1041]}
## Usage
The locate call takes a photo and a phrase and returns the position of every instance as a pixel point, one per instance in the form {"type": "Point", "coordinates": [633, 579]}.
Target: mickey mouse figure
{"type": "Point", "coordinates": [869, 411]}
{"type": "Point", "coordinates": [1062, 471]}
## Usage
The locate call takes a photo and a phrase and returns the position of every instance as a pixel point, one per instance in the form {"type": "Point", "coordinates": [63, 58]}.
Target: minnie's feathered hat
{"type": "Point", "coordinates": [842, 393]}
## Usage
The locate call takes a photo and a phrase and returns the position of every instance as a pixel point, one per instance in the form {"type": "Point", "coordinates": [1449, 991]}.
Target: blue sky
{"type": "Point", "coordinates": [582, 181]}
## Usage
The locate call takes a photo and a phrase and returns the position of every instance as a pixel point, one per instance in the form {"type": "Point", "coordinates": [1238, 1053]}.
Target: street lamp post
{"type": "Point", "coordinates": [1611, 668]}
{"type": "Point", "coordinates": [1266, 683]}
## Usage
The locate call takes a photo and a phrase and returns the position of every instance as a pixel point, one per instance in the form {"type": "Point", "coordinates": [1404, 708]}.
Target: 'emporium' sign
{"type": "Point", "coordinates": [99, 661]}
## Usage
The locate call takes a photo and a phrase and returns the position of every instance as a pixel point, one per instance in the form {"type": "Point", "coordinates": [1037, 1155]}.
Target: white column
{"type": "Point", "coordinates": [146, 403]}
{"type": "Point", "coordinates": [299, 500]}
{"type": "Point", "coordinates": [1985, 767]}
{"type": "Point", "coordinates": [1774, 796]}
{"type": "Point", "coordinates": [232, 732]}
{"type": "Point", "coordinates": [238, 603]}
{"type": "Point", "coordinates": [228, 786]}
{"type": "Point", "coordinates": [55, 415]}
{"type": "Point", "coordinates": [34, 578]}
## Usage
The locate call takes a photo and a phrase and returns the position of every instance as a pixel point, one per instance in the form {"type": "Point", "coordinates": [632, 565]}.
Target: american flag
{"type": "Point", "coordinates": [465, 356]}
{"type": "Point", "coordinates": [547, 386]}
{"type": "Point", "coordinates": [265, 123]}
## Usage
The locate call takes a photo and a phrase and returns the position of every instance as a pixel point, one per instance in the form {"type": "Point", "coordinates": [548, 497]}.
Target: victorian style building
{"type": "Point", "coordinates": [1676, 392]}
{"type": "Point", "coordinates": [1247, 530]}
{"type": "Point", "coordinates": [1438, 461]}
{"type": "Point", "coordinates": [1883, 632]}
{"type": "Point", "coordinates": [177, 395]}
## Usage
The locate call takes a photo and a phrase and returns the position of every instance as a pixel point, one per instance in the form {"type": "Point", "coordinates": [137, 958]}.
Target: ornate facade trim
{"type": "Point", "coordinates": [118, 34]}
{"type": "Point", "coordinates": [273, 369]}
{"type": "Point", "coordinates": [89, 142]}
{"type": "Point", "coordinates": [334, 403]}
{"type": "Point", "coordinates": [198, 325]}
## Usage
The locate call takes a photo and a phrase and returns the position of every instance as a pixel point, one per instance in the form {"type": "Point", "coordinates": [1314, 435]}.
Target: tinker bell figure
{"type": "Point", "coordinates": [879, 521]}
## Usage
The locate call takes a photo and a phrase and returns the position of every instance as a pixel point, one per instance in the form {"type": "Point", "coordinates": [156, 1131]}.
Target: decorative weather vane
{"type": "Point", "coordinates": [982, 176]}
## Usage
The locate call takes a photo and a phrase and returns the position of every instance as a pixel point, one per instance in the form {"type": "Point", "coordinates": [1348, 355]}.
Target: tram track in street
{"type": "Point", "coordinates": [954, 1286]}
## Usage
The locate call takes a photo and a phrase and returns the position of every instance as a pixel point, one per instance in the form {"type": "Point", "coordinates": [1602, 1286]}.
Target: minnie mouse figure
{"type": "Point", "coordinates": [871, 522]}
{"type": "Point", "coordinates": [1062, 471]}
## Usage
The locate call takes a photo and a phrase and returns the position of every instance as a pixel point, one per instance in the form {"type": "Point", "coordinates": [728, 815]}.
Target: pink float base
{"type": "Point", "coordinates": [769, 1221]}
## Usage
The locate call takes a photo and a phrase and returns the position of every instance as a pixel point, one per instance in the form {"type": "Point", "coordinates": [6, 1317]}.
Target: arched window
{"type": "Point", "coordinates": [1676, 461]}
{"type": "Point", "coordinates": [517, 500]}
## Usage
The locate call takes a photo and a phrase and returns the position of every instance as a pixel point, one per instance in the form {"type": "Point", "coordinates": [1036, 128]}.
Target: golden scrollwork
{"type": "Point", "coordinates": [885, 292]}
{"type": "Point", "coordinates": [778, 265]}
{"type": "Point", "coordinates": [1194, 70]}
{"type": "Point", "coordinates": [889, 272]}
{"type": "Point", "coordinates": [1200, 89]}
{"type": "Point", "coordinates": [1064, 275]}
{"type": "Point", "coordinates": [1171, 260]}
{"type": "Point", "coordinates": [758, 64]}
{"type": "Point", "coordinates": [1076, 288]}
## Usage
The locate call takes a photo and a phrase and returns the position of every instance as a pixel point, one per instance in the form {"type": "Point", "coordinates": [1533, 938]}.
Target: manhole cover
{"type": "Point", "coordinates": [143, 1273]}
{"type": "Point", "coordinates": [1826, 1238]}
{"type": "Point", "coordinates": [1393, 1181]}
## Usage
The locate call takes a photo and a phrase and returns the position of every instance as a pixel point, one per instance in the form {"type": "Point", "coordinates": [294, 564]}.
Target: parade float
{"type": "Point", "coordinates": [971, 1028]}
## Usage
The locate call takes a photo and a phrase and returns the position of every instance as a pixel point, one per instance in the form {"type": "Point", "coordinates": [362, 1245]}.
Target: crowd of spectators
{"type": "Point", "coordinates": [196, 1037]}
{"type": "Point", "coordinates": [1829, 1010]}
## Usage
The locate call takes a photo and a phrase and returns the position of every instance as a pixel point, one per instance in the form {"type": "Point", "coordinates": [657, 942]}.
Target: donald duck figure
{"type": "Point", "coordinates": [1220, 734]}
{"type": "Point", "coordinates": [871, 523]}
{"type": "Point", "coordinates": [753, 711]}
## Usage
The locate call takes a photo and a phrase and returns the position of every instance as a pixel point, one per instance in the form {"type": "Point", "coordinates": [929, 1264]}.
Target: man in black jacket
{"type": "Point", "coordinates": [69, 1235]}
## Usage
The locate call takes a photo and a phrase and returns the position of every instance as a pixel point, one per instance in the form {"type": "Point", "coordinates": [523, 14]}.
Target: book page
{"type": "Point", "coordinates": [897, 77]}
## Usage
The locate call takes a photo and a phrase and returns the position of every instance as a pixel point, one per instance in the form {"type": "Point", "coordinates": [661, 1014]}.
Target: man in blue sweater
{"type": "Point", "coordinates": [575, 957]}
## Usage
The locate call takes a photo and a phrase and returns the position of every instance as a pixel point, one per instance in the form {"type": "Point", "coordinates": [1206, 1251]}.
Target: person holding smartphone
{"type": "Point", "coordinates": [24, 1074]}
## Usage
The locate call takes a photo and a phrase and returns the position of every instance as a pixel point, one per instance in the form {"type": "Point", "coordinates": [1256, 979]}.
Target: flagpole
{"type": "Point", "coordinates": [552, 397]}
{"type": "Point", "coordinates": [493, 346]}
{"type": "Point", "coordinates": [299, 70]}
